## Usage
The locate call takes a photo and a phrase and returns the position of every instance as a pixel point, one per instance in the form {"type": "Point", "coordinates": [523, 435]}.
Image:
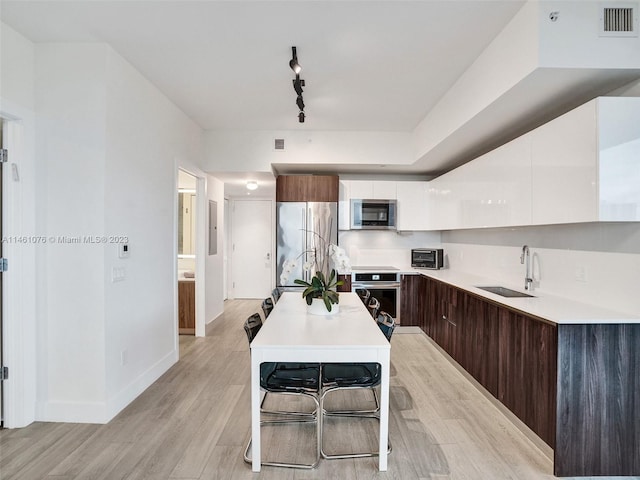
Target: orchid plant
{"type": "Point", "coordinates": [324, 260]}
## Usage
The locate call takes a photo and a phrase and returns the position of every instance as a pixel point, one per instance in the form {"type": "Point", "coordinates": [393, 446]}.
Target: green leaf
{"type": "Point", "coordinates": [327, 302]}
{"type": "Point", "coordinates": [297, 281]}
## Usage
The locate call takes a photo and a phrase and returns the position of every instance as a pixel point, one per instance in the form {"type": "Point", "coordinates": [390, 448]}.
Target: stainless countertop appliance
{"type": "Point", "coordinates": [384, 284]}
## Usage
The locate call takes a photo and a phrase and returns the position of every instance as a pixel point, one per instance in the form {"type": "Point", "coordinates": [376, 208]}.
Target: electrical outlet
{"type": "Point", "coordinates": [581, 274]}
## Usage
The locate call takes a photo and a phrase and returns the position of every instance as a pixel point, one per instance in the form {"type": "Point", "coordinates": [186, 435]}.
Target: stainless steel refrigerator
{"type": "Point", "coordinates": [300, 226]}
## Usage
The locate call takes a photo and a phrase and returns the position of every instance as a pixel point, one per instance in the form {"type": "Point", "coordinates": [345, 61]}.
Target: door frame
{"type": "Point", "coordinates": [22, 340]}
{"type": "Point", "coordinates": [202, 206]}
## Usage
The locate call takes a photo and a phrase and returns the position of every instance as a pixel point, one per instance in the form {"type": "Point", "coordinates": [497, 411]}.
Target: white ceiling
{"type": "Point", "coordinates": [368, 65]}
{"type": "Point", "coordinates": [374, 66]}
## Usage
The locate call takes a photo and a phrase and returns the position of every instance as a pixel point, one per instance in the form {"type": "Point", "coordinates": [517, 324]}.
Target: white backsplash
{"type": "Point", "coordinates": [384, 248]}
{"type": "Point", "coordinates": [186, 264]}
{"type": "Point", "coordinates": [605, 279]}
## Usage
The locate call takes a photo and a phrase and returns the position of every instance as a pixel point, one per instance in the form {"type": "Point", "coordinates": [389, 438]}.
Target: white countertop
{"type": "Point", "coordinates": [554, 308]}
{"type": "Point", "coordinates": [550, 307]}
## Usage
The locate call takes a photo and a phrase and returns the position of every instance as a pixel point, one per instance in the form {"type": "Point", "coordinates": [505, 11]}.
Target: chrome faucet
{"type": "Point", "coordinates": [525, 259]}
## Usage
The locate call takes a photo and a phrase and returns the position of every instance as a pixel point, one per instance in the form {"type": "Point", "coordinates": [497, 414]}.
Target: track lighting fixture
{"type": "Point", "coordinates": [298, 83]}
{"type": "Point", "coordinates": [293, 63]}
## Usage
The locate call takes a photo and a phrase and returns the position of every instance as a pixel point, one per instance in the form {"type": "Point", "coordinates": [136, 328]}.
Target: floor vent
{"type": "Point", "coordinates": [619, 21]}
{"type": "Point", "coordinates": [278, 144]}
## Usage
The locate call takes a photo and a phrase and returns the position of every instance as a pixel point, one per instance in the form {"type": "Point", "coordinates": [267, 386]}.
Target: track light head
{"type": "Point", "coordinates": [298, 84]}
{"type": "Point", "coordinates": [293, 63]}
{"type": "Point", "coordinates": [301, 117]}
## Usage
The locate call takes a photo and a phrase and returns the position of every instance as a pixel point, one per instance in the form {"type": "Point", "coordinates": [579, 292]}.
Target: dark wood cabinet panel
{"type": "Point", "coordinates": [346, 286]}
{"type": "Point", "coordinates": [412, 300]}
{"type": "Point", "coordinates": [307, 188]}
{"type": "Point", "coordinates": [478, 341]}
{"type": "Point", "coordinates": [186, 307]}
{"type": "Point", "coordinates": [598, 400]}
{"type": "Point", "coordinates": [576, 386]}
{"type": "Point", "coordinates": [527, 371]}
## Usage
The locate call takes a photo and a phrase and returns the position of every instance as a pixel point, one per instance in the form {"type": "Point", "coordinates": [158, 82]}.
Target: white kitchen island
{"type": "Point", "coordinates": [293, 335]}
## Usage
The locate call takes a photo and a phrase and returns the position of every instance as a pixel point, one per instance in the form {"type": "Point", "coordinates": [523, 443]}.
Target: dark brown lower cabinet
{"type": "Point", "coordinates": [576, 386]}
{"type": "Point", "coordinates": [598, 427]}
{"type": "Point", "coordinates": [478, 339]}
{"type": "Point", "coordinates": [412, 309]}
{"type": "Point", "coordinates": [527, 371]}
{"type": "Point", "coordinates": [346, 286]}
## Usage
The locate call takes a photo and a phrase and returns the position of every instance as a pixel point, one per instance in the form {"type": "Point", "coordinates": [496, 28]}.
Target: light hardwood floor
{"type": "Point", "coordinates": [193, 423]}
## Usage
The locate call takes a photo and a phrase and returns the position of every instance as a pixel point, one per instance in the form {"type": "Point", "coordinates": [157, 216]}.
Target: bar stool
{"type": "Point", "coordinates": [344, 376]}
{"type": "Point", "coordinates": [289, 379]}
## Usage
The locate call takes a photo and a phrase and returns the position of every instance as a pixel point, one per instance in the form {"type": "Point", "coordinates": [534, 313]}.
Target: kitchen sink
{"type": "Point", "coordinates": [505, 292]}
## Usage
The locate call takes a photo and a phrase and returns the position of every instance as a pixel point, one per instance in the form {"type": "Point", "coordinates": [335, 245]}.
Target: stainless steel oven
{"type": "Point", "coordinates": [383, 283]}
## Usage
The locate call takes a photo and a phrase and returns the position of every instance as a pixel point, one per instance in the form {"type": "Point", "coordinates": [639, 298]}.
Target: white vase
{"type": "Point", "coordinates": [318, 307]}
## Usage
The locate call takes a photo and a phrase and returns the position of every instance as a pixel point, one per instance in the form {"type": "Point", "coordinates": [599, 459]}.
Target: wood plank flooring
{"type": "Point", "coordinates": [193, 423]}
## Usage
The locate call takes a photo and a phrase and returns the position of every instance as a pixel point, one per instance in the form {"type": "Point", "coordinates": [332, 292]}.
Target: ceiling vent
{"type": "Point", "coordinates": [619, 20]}
{"type": "Point", "coordinates": [278, 144]}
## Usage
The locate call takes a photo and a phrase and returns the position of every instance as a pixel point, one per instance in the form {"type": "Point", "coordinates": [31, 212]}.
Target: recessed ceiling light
{"type": "Point", "coordinates": [252, 185]}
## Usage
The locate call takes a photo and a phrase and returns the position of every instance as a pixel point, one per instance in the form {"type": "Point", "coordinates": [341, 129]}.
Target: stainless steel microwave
{"type": "Point", "coordinates": [373, 214]}
{"type": "Point", "coordinates": [432, 258]}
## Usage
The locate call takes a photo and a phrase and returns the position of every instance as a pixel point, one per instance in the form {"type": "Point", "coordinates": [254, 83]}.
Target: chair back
{"type": "Point", "coordinates": [252, 325]}
{"type": "Point", "coordinates": [386, 323]}
{"type": "Point", "coordinates": [374, 307]}
{"type": "Point", "coordinates": [267, 306]}
{"type": "Point", "coordinates": [364, 295]}
{"type": "Point", "coordinates": [276, 295]}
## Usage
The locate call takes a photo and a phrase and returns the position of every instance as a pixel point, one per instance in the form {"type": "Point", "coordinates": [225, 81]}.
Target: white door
{"type": "Point", "coordinates": [251, 248]}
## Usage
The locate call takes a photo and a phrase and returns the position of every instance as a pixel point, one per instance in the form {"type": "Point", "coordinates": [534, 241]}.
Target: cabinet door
{"type": "Point", "coordinates": [564, 168]}
{"type": "Point", "coordinates": [384, 190]}
{"type": "Point", "coordinates": [344, 206]}
{"type": "Point", "coordinates": [361, 189]}
{"type": "Point", "coordinates": [369, 189]}
{"type": "Point", "coordinates": [412, 300]}
{"type": "Point", "coordinates": [186, 307]}
{"type": "Point", "coordinates": [527, 369]}
{"type": "Point", "coordinates": [478, 341]}
{"type": "Point", "coordinates": [307, 188]}
{"type": "Point", "coordinates": [412, 206]}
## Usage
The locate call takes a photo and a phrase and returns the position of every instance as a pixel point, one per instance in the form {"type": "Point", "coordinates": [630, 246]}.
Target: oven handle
{"type": "Point", "coordinates": [376, 285]}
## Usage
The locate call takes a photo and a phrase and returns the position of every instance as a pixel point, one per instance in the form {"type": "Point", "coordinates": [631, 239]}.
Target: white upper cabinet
{"type": "Point", "coordinates": [493, 190]}
{"type": "Point", "coordinates": [372, 190]}
{"type": "Point", "coordinates": [344, 207]}
{"type": "Point", "coordinates": [564, 168]}
{"type": "Point", "coordinates": [412, 205]}
{"type": "Point", "coordinates": [586, 164]}
{"type": "Point", "coordinates": [583, 166]}
{"type": "Point", "coordinates": [619, 159]}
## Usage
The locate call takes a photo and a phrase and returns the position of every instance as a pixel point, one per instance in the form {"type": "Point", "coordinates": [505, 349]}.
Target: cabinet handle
{"type": "Point", "coordinates": [444, 317]}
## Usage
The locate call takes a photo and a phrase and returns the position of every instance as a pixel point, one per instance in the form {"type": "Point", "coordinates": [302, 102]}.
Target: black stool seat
{"type": "Point", "coordinates": [351, 374]}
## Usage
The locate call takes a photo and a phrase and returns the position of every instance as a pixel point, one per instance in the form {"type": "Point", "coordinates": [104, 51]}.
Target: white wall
{"type": "Point", "coordinates": [145, 136]}
{"type": "Point", "coordinates": [252, 151]}
{"type": "Point", "coordinates": [108, 146]}
{"type": "Point", "coordinates": [214, 266]}
{"type": "Point", "coordinates": [384, 248]}
{"type": "Point", "coordinates": [17, 77]}
{"type": "Point", "coordinates": [510, 57]}
{"type": "Point", "coordinates": [71, 122]}
{"type": "Point", "coordinates": [573, 40]}
{"type": "Point", "coordinates": [598, 263]}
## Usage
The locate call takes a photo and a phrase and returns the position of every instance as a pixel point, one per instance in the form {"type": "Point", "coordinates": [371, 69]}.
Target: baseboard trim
{"type": "Point", "coordinates": [208, 328]}
{"type": "Point", "coordinates": [103, 412]}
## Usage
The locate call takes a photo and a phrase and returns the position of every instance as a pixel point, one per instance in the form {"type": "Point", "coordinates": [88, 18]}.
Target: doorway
{"type": "Point", "coordinates": [252, 248]}
{"type": "Point", "coordinates": [187, 220]}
